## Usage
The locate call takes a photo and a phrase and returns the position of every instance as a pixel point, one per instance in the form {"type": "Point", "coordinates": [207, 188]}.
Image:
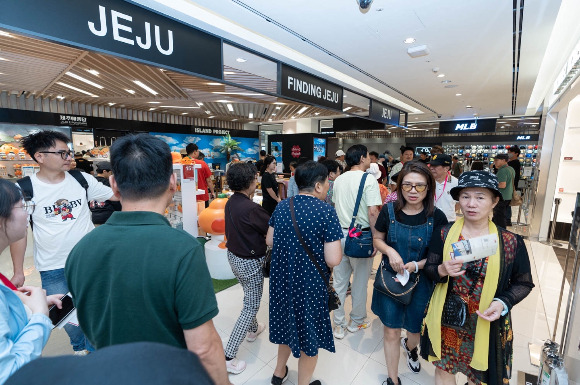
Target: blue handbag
{"type": "Point", "coordinates": [361, 245]}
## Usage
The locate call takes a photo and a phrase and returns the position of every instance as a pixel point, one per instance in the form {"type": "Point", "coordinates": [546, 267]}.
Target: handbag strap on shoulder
{"type": "Point", "coordinates": [358, 198]}
{"type": "Point", "coordinates": [303, 243]}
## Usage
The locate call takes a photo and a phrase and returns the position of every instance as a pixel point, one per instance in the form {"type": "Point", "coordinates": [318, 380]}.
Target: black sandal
{"type": "Point", "coordinates": [278, 380]}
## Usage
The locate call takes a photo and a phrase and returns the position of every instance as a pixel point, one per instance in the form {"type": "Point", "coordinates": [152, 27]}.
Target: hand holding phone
{"type": "Point", "coordinates": [56, 314]}
{"type": "Point", "coordinates": [34, 298]}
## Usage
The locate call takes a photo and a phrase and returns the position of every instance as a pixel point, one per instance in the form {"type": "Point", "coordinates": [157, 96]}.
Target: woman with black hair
{"type": "Point", "coordinates": [270, 197]}
{"type": "Point", "coordinates": [299, 316]}
{"type": "Point", "coordinates": [24, 323]}
{"type": "Point", "coordinates": [246, 227]}
{"type": "Point", "coordinates": [403, 231]}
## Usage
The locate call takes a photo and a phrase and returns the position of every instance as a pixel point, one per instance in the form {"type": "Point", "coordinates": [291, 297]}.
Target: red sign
{"type": "Point", "coordinates": [568, 158]}
{"type": "Point", "coordinates": [561, 189]}
{"type": "Point", "coordinates": [296, 151]}
{"type": "Point", "coordinates": [188, 171]}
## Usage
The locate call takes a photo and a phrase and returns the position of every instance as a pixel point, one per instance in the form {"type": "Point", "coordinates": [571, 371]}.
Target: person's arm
{"type": "Point", "coordinates": [501, 184]}
{"type": "Point", "coordinates": [332, 253]}
{"type": "Point", "coordinates": [273, 194]}
{"type": "Point", "coordinates": [17, 251]}
{"type": "Point", "coordinates": [210, 186]}
{"type": "Point", "coordinates": [270, 237]}
{"type": "Point", "coordinates": [205, 341]}
{"type": "Point", "coordinates": [393, 257]}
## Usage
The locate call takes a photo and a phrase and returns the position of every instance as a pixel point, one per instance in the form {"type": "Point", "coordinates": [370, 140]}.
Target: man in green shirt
{"type": "Point", "coordinates": [505, 177]}
{"type": "Point", "coordinates": [135, 278]}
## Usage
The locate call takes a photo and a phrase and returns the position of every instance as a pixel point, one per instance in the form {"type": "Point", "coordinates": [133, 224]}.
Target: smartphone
{"type": "Point", "coordinates": [56, 315]}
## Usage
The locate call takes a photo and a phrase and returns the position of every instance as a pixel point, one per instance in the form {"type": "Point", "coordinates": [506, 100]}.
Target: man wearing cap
{"type": "Point", "coordinates": [505, 178]}
{"type": "Point", "coordinates": [439, 166]}
{"type": "Point", "coordinates": [340, 159]}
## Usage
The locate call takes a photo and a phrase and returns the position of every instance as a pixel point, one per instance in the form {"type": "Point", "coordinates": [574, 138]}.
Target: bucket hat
{"type": "Point", "coordinates": [477, 178]}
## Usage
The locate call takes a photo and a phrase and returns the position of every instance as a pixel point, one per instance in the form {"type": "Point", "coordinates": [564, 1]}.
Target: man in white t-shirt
{"type": "Point", "coordinates": [345, 191]}
{"type": "Point", "coordinates": [60, 219]}
{"type": "Point", "coordinates": [440, 165]}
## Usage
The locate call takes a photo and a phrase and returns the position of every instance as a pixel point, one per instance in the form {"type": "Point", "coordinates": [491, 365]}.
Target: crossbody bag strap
{"type": "Point", "coordinates": [304, 245]}
{"type": "Point", "coordinates": [358, 199]}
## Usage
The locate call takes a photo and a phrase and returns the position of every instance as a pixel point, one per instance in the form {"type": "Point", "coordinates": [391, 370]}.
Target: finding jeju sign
{"type": "Point", "coordinates": [299, 85]}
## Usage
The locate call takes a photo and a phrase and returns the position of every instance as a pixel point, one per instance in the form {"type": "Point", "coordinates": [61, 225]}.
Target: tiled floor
{"type": "Point", "coordinates": [359, 358]}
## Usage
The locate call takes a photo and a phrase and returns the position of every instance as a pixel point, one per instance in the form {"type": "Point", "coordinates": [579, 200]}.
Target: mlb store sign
{"type": "Point", "coordinates": [467, 126]}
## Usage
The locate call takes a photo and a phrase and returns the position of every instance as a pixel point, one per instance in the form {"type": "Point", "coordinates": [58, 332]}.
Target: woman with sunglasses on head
{"type": "Point", "coordinates": [24, 323]}
{"type": "Point", "coordinates": [403, 230]}
{"type": "Point", "coordinates": [480, 343]}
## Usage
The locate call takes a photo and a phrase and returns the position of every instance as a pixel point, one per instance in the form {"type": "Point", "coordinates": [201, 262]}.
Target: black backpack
{"type": "Point", "coordinates": [28, 192]}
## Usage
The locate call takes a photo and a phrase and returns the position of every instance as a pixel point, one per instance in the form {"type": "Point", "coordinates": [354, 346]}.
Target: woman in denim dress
{"type": "Point", "coordinates": [403, 231]}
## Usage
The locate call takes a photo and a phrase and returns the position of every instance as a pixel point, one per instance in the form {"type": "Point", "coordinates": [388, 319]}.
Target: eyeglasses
{"type": "Point", "coordinates": [63, 154]}
{"type": "Point", "coordinates": [418, 187]}
{"type": "Point", "coordinates": [28, 206]}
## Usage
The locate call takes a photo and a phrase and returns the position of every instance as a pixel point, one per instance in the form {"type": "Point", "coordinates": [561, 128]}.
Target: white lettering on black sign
{"type": "Point", "coordinates": [210, 131]}
{"type": "Point", "coordinates": [68, 120]}
{"type": "Point", "coordinates": [312, 90]}
{"type": "Point", "coordinates": [523, 137]}
{"type": "Point", "coordinates": [466, 127]}
{"type": "Point", "coordinates": [387, 114]}
{"type": "Point", "coordinates": [117, 18]}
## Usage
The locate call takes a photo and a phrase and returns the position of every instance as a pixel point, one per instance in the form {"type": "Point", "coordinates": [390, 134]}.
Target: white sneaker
{"type": "Point", "coordinates": [235, 366]}
{"type": "Point", "coordinates": [412, 357]}
{"type": "Point", "coordinates": [339, 332]}
{"type": "Point", "coordinates": [353, 328]}
{"type": "Point", "coordinates": [81, 353]}
{"type": "Point", "coordinates": [251, 337]}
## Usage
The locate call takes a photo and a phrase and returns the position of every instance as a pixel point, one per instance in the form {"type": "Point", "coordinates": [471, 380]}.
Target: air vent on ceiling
{"type": "Point", "coordinates": [418, 51]}
{"type": "Point", "coordinates": [327, 123]}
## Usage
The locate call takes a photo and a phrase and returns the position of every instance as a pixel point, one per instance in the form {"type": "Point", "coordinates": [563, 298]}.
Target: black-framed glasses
{"type": "Point", "coordinates": [28, 206]}
{"type": "Point", "coordinates": [63, 153]}
{"type": "Point", "coordinates": [418, 187]}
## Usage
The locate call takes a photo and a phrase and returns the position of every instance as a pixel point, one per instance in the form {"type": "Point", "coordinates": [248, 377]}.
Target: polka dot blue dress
{"type": "Point", "coordinates": [299, 315]}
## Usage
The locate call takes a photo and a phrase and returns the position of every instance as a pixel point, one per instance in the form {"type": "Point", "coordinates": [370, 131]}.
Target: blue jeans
{"type": "Point", "coordinates": [54, 282]}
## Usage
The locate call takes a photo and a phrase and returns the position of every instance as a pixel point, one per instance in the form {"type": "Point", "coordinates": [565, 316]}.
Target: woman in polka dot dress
{"type": "Point", "coordinates": [299, 316]}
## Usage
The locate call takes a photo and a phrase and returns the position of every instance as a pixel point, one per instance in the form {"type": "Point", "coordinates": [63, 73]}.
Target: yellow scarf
{"type": "Point", "coordinates": [433, 318]}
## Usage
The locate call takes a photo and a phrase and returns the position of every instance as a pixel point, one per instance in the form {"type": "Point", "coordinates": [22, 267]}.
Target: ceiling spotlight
{"type": "Point", "coordinates": [230, 108]}
{"type": "Point", "coordinates": [211, 117]}
{"type": "Point", "coordinates": [278, 108]}
{"type": "Point", "coordinates": [441, 75]}
{"type": "Point", "coordinates": [184, 113]}
{"type": "Point", "coordinates": [199, 103]}
{"type": "Point", "coordinates": [3, 33]}
{"type": "Point", "coordinates": [241, 60]}
{"type": "Point", "coordinates": [457, 94]}
{"type": "Point", "coordinates": [111, 104]}
{"type": "Point", "coordinates": [145, 87]}
{"type": "Point", "coordinates": [409, 40]}
{"type": "Point", "coordinates": [233, 120]}
{"type": "Point", "coordinates": [60, 97]}
{"type": "Point", "coordinates": [251, 115]}
{"type": "Point", "coordinates": [273, 114]}
{"type": "Point", "coordinates": [132, 92]}
{"type": "Point", "coordinates": [468, 106]}
{"type": "Point", "coordinates": [317, 113]}
{"type": "Point", "coordinates": [269, 120]}
{"type": "Point", "coordinates": [208, 112]}
{"type": "Point", "coordinates": [152, 109]}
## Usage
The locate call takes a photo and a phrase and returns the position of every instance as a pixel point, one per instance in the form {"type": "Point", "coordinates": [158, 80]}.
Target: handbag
{"type": "Point", "coordinates": [517, 199]}
{"type": "Point", "coordinates": [268, 256]}
{"type": "Point", "coordinates": [386, 284]}
{"type": "Point", "coordinates": [361, 245]}
{"type": "Point", "coordinates": [455, 308]}
{"type": "Point", "coordinates": [333, 300]}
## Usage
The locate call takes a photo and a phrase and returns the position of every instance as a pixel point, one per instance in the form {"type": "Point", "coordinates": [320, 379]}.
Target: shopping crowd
{"type": "Point", "coordinates": [315, 246]}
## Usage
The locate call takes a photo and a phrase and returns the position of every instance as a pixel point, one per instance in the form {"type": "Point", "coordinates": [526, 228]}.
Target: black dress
{"type": "Point", "coordinates": [269, 181]}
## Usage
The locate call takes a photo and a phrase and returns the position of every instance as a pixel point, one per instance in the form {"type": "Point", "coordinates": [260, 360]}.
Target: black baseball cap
{"type": "Point", "coordinates": [104, 166]}
{"type": "Point", "coordinates": [440, 160]}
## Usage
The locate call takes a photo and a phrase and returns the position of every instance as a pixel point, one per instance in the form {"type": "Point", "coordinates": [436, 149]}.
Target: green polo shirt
{"type": "Point", "coordinates": [136, 278]}
{"type": "Point", "coordinates": [506, 174]}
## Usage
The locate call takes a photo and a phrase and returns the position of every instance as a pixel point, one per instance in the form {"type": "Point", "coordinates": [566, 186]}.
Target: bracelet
{"type": "Point", "coordinates": [416, 267]}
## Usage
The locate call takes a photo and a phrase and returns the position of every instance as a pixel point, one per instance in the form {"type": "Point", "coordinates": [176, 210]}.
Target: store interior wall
{"type": "Point", "coordinates": [300, 126]}
{"type": "Point", "coordinates": [379, 145]}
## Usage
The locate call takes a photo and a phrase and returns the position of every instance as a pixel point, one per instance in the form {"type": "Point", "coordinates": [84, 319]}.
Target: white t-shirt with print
{"type": "Point", "coordinates": [62, 217]}
{"type": "Point", "coordinates": [443, 199]}
{"type": "Point", "coordinates": [344, 195]}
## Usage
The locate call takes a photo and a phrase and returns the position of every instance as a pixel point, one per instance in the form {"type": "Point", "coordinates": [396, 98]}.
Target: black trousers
{"type": "Point", "coordinates": [500, 213]}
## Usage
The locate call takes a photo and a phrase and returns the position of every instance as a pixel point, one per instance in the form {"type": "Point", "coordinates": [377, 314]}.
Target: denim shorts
{"type": "Point", "coordinates": [395, 315]}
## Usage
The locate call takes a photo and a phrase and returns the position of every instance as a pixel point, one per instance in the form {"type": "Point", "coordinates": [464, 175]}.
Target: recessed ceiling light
{"type": "Point", "coordinates": [230, 108]}
{"type": "Point", "coordinates": [132, 92]}
{"type": "Point", "coordinates": [199, 103]}
{"type": "Point", "coordinates": [278, 108]}
{"type": "Point", "coordinates": [457, 94]}
{"type": "Point", "coordinates": [152, 109]}
{"type": "Point", "coordinates": [251, 115]}
{"type": "Point", "coordinates": [4, 59]}
{"type": "Point", "coordinates": [269, 120]}
{"type": "Point", "coordinates": [2, 33]}
{"type": "Point", "coordinates": [229, 73]}
{"type": "Point", "coordinates": [76, 89]}
{"type": "Point", "coordinates": [154, 102]}
{"type": "Point", "coordinates": [233, 120]}
{"type": "Point", "coordinates": [280, 103]}
{"type": "Point", "coordinates": [302, 110]}
{"type": "Point", "coordinates": [93, 72]}
{"type": "Point", "coordinates": [468, 106]}
{"type": "Point", "coordinates": [60, 97]}
{"type": "Point", "coordinates": [145, 87]}
{"type": "Point", "coordinates": [317, 113]}
{"type": "Point", "coordinates": [184, 113]}
{"type": "Point", "coordinates": [441, 75]}
{"type": "Point", "coordinates": [238, 93]}
{"type": "Point", "coordinates": [208, 112]}
{"type": "Point", "coordinates": [223, 101]}
{"type": "Point", "coordinates": [346, 109]}
{"type": "Point", "coordinates": [111, 104]}
{"type": "Point", "coordinates": [273, 114]}
{"type": "Point", "coordinates": [180, 107]}
{"type": "Point", "coordinates": [241, 60]}
{"type": "Point", "coordinates": [502, 122]}
{"type": "Point", "coordinates": [84, 80]}
{"type": "Point", "coordinates": [409, 40]}
{"type": "Point", "coordinates": [211, 117]}
{"type": "Point", "coordinates": [502, 126]}
{"type": "Point", "coordinates": [214, 84]}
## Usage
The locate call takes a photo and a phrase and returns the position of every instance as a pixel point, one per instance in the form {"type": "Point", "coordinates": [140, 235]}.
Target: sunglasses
{"type": "Point", "coordinates": [418, 187]}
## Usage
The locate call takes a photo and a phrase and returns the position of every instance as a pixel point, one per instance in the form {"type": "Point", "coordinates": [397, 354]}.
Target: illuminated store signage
{"type": "Point", "coordinates": [119, 28]}
{"type": "Point", "coordinates": [467, 126]}
{"type": "Point", "coordinates": [384, 113]}
{"type": "Point", "coordinates": [310, 89]}
{"type": "Point", "coordinates": [523, 137]}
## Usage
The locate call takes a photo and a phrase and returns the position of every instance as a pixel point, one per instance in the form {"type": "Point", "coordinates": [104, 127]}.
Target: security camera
{"type": "Point", "coordinates": [439, 116]}
{"type": "Point", "coordinates": [364, 4]}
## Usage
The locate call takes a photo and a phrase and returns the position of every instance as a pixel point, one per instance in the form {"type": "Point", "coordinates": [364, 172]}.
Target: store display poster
{"type": "Point", "coordinates": [319, 148]}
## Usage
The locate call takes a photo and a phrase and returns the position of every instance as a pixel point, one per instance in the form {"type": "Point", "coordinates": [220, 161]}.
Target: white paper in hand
{"type": "Point", "coordinates": [473, 249]}
{"type": "Point", "coordinates": [403, 278]}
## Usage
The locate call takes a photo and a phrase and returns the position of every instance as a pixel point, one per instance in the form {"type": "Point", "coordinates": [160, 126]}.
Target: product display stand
{"type": "Point", "coordinates": [182, 212]}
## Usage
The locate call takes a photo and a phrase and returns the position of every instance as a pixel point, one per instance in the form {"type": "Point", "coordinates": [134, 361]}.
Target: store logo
{"type": "Point", "coordinates": [117, 27]}
{"type": "Point", "coordinates": [387, 114]}
{"type": "Point", "coordinates": [466, 127]}
{"type": "Point", "coordinates": [68, 120]}
{"type": "Point", "coordinates": [523, 137]}
{"type": "Point", "coordinates": [296, 151]}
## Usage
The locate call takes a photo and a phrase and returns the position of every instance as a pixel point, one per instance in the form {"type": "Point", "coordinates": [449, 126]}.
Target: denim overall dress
{"type": "Point", "coordinates": [411, 242]}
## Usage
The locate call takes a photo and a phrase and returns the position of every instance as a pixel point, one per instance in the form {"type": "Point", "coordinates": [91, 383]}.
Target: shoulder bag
{"type": "Point", "coordinates": [386, 283]}
{"type": "Point", "coordinates": [268, 256]}
{"type": "Point", "coordinates": [333, 300]}
{"type": "Point", "coordinates": [517, 199]}
{"type": "Point", "coordinates": [358, 243]}
{"type": "Point", "coordinates": [455, 309]}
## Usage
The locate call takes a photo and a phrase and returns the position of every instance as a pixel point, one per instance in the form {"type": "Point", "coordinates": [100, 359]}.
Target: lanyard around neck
{"type": "Point", "coordinates": [442, 192]}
